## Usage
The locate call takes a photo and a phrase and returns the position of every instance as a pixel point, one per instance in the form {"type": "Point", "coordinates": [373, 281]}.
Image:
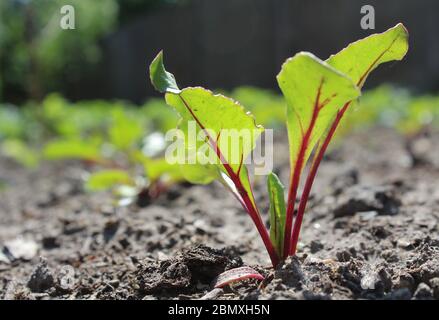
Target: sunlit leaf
{"type": "Point", "coordinates": [160, 169]}
{"type": "Point", "coordinates": [231, 136]}
{"type": "Point", "coordinates": [71, 149]}
{"type": "Point", "coordinates": [361, 57]}
{"type": "Point", "coordinates": [314, 92]}
{"type": "Point", "coordinates": [355, 62]}
{"type": "Point", "coordinates": [199, 174]}
{"type": "Point", "coordinates": [162, 80]}
{"type": "Point", "coordinates": [107, 179]}
{"type": "Point", "coordinates": [234, 132]}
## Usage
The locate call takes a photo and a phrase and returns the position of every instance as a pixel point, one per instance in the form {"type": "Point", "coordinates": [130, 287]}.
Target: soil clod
{"type": "Point", "coordinates": [42, 278]}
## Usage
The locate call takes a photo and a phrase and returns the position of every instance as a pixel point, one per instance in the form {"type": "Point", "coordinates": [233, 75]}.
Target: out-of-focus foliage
{"type": "Point", "coordinates": [38, 51]}
{"type": "Point", "coordinates": [72, 149]}
{"type": "Point", "coordinates": [116, 140]}
{"type": "Point", "coordinates": [117, 137]}
{"type": "Point", "coordinates": [159, 118]}
{"type": "Point", "coordinates": [384, 106]}
{"type": "Point", "coordinates": [106, 179]}
{"type": "Point", "coordinates": [267, 107]}
{"type": "Point", "coordinates": [21, 152]}
{"type": "Point", "coordinates": [392, 107]}
{"type": "Point", "coordinates": [125, 129]}
{"type": "Point", "coordinates": [38, 56]}
{"type": "Point", "coordinates": [115, 126]}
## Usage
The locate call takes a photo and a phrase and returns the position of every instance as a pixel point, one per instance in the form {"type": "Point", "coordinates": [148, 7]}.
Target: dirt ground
{"type": "Point", "coordinates": [370, 232]}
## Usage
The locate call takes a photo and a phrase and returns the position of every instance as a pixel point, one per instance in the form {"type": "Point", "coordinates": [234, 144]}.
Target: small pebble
{"type": "Point", "coordinates": [403, 243]}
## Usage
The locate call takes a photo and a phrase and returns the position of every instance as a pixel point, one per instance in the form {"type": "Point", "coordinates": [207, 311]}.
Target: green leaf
{"type": "Point", "coordinates": [199, 174]}
{"type": "Point", "coordinates": [221, 116]}
{"type": "Point", "coordinates": [314, 92]}
{"type": "Point", "coordinates": [20, 152]}
{"type": "Point", "coordinates": [125, 130]}
{"type": "Point", "coordinates": [12, 122]}
{"type": "Point", "coordinates": [234, 131]}
{"type": "Point", "coordinates": [361, 57]}
{"type": "Point", "coordinates": [107, 179]}
{"type": "Point", "coordinates": [277, 212]}
{"type": "Point", "coordinates": [162, 80]}
{"type": "Point", "coordinates": [71, 149]}
{"type": "Point", "coordinates": [225, 129]}
{"type": "Point", "coordinates": [160, 169]}
{"type": "Point", "coordinates": [202, 107]}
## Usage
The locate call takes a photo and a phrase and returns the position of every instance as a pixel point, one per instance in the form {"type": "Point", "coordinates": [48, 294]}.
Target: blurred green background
{"type": "Point", "coordinates": [84, 94]}
{"type": "Point", "coordinates": [37, 56]}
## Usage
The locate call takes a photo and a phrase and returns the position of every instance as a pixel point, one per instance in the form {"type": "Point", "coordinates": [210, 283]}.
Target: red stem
{"type": "Point", "coordinates": [295, 179]}
{"type": "Point", "coordinates": [310, 179]}
{"type": "Point", "coordinates": [319, 156]}
{"type": "Point", "coordinates": [248, 204]}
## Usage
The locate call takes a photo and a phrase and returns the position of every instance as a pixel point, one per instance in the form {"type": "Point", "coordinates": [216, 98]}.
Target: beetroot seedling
{"type": "Point", "coordinates": [237, 274]}
{"type": "Point", "coordinates": [317, 93]}
{"type": "Point", "coordinates": [356, 62]}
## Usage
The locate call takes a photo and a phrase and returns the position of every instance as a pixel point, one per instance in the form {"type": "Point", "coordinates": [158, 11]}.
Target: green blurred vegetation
{"type": "Point", "coordinates": [383, 106]}
{"type": "Point", "coordinates": [122, 140]}
{"type": "Point", "coordinates": [123, 144]}
{"type": "Point", "coordinates": [37, 52]}
{"type": "Point", "coordinates": [394, 108]}
{"type": "Point", "coordinates": [37, 56]}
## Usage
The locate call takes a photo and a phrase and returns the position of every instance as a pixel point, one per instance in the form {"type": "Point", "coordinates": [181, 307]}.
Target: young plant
{"type": "Point", "coordinates": [355, 62]}
{"type": "Point", "coordinates": [317, 94]}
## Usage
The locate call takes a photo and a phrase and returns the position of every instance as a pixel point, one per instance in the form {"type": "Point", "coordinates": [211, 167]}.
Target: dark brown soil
{"type": "Point", "coordinates": [370, 232]}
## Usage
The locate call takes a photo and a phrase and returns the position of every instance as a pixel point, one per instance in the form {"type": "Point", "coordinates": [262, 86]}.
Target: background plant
{"type": "Point", "coordinates": [37, 56]}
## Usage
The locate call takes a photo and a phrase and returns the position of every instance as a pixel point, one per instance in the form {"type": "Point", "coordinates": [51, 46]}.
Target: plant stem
{"type": "Point", "coordinates": [247, 204]}
{"type": "Point", "coordinates": [295, 178]}
{"type": "Point", "coordinates": [310, 179]}
{"type": "Point", "coordinates": [253, 212]}
{"type": "Point", "coordinates": [319, 157]}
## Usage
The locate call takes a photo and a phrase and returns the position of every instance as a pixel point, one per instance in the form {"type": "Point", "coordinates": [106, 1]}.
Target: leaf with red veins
{"type": "Point", "coordinates": [314, 92]}
{"type": "Point", "coordinates": [228, 136]}
{"type": "Point", "coordinates": [357, 61]}
{"type": "Point", "coordinates": [361, 57]}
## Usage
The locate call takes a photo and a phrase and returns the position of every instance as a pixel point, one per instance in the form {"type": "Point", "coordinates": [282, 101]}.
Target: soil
{"type": "Point", "coordinates": [370, 232]}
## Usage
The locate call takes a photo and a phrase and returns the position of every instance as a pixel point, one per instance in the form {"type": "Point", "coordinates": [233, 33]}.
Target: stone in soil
{"type": "Point", "coordinates": [196, 265]}
{"type": "Point", "coordinates": [42, 277]}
